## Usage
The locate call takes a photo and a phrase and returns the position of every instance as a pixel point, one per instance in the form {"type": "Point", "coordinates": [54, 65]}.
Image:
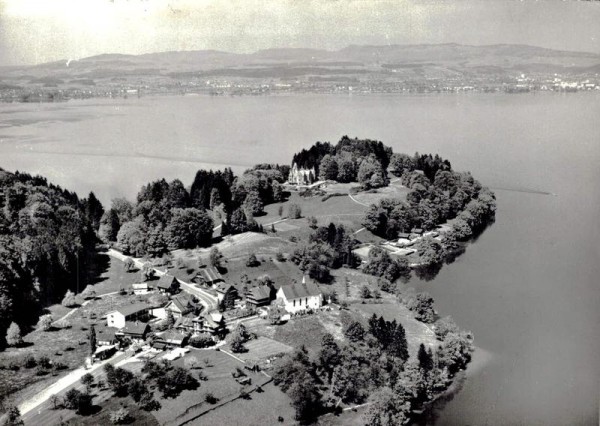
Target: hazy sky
{"type": "Point", "coordinates": [34, 31]}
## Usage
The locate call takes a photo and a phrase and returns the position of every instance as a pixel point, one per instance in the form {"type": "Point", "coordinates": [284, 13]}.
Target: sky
{"type": "Point", "coordinates": [37, 31]}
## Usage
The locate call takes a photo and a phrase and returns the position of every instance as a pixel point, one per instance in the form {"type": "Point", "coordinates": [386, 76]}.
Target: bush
{"type": "Point", "coordinates": [202, 341]}
{"type": "Point", "coordinates": [120, 416]}
{"type": "Point", "coordinates": [13, 335]}
{"type": "Point", "coordinates": [252, 261]}
{"type": "Point", "coordinates": [69, 300]}
{"type": "Point", "coordinates": [294, 211]}
{"type": "Point", "coordinates": [45, 322]}
{"type": "Point", "coordinates": [210, 398]}
{"type": "Point", "coordinates": [29, 361]}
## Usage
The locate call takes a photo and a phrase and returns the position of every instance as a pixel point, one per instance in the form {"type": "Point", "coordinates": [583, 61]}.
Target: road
{"type": "Point", "coordinates": [209, 301]}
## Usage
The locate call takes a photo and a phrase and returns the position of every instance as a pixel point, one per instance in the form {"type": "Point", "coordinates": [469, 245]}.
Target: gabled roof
{"type": "Point", "coordinates": [171, 336]}
{"type": "Point", "coordinates": [295, 291]}
{"type": "Point", "coordinates": [166, 281]}
{"type": "Point", "coordinates": [105, 334]}
{"type": "Point", "coordinates": [184, 322]}
{"type": "Point", "coordinates": [210, 274]}
{"type": "Point", "coordinates": [139, 285]}
{"type": "Point", "coordinates": [259, 292]}
{"type": "Point", "coordinates": [134, 308]}
{"type": "Point", "coordinates": [225, 288]}
{"type": "Point", "coordinates": [134, 328]}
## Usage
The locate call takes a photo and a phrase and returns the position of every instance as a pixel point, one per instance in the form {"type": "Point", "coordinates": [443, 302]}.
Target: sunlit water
{"type": "Point", "coordinates": [528, 288]}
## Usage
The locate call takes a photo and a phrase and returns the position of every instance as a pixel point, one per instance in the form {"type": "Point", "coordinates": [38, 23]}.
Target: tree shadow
{"type": "Point", "coordinates": [98, 264]}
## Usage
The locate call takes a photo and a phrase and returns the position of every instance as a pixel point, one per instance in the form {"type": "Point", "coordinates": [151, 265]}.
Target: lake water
{"type": "Point", "coordinates": [528, 288]}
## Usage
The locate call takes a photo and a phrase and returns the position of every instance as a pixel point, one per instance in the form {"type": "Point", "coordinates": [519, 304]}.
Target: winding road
{"type": "Point", "coordinates": [209, 301]}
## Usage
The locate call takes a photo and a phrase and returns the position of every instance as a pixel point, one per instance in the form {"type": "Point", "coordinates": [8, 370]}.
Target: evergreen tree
{"type": "Point", "coordinates": [92, 339]}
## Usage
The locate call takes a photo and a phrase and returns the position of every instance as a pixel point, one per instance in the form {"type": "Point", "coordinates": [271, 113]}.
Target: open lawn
{"type": "Point", "coordinates": [394, 190]}
{"type": "Point", "coordinates": [261, 409]}
{"type": "Point", "coordinates": [114, 277]}
{"type": "Point", "coordinates": [102, 417]}
{"type": "Point", "coordinates": [416, 331]}
{"type": "Point", "coordinates": [220, 383]}
{"type": "Point", "coordinates": [307, 331]}
{"type": "Point", "coordinates": [262, 348]}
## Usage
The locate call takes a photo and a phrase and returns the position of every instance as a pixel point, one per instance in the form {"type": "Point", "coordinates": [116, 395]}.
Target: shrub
{"type": "Point", "coordinates": [69, 300]}
{"type": "Point", "coordinates": [13, 335]}
{"type": "Point", "coordinates": [210, 398]}
{"type": "Point", "coordinates": [29, 361]}
{"type": "Point", "coordinates": [120, 416]}
{"type": "Point", "coordinates": [252, 261]}
{"type": "Point", "coordinates": [45, 322]}
{"type": "Point", "coordinates": [294, 211]}
{"type": "Point", "coordinates": [202, 341]}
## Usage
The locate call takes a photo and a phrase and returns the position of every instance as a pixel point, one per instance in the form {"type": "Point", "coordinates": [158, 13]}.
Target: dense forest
{"type": "Point", "coordinates": [47, 238]}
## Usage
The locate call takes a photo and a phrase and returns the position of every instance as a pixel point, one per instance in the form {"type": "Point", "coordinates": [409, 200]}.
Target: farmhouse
{"type": "Point", "coordinates": [300, 297]}
{"type": "Point", "coordinates": [214, 323]}
{"type": "Point", "coordinates": [180, 305]}
{"type": "Point", "coordinates": [168, 284]}
{"type": "Point", "coordinates": [209, 276]}
{"type": "Point", "coordinates": [172, 338]}
{"type": "Point", "coordinates": [259, 295]}
{"type": "Point", "coordinates": [189, 325]}
{"type": "Point", "coordinates": [225, 290]}
{"type": "Point", "coordinates": [105, 336]}
{"type": "Point", "coordinates": [140, 288]}
{"type": "Point", "coordinates": [133, 312]}
{"type": "Point", "coordinates": [135, 331]}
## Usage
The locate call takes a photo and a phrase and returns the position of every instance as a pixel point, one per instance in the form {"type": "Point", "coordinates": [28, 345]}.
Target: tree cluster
{"type": "Point", "coordinates": [45, 232]}
{"type": "Point", "coordinates": [380, 264]}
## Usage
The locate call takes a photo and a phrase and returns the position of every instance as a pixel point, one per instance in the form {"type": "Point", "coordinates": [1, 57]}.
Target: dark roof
{"type": "Point", "coordinates": [260, 292]}
{"type": "Point", "coordinates": [404, 235]}
{"type": "Point", "coordinates": [295, 291]}
{"type": "Point", "coordinates": [158, 345]}
{"type": "Point", "coordinates": [225, 288]}
{"type": "Point", "coordinates": [166, 281]}
{"type": "Point", "coordinates": [171, 336]}
{"type": "Point", "coordinates": [210, 274]}
{"type": "Point", "coordinates": [134, 328]}
{"type": "Point", "coordinates": [105, 334]}
{"type": "Point", "coordinates": [132, 309]}
{"type": "Point", "coordinates": [184, 322]}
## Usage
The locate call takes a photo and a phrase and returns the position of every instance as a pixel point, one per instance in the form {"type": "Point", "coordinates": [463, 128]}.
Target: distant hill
{"type": "Point", "coordinates": [447, 62]}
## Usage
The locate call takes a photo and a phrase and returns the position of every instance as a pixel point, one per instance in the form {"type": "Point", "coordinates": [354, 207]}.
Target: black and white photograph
{"type": "Point", "coordinates": [299, 212]}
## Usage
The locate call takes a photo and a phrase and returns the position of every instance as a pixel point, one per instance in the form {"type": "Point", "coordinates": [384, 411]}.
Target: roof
{"type": "Point", "coordinates": [134, 308]}
{"type": "Point", "coordinates": [259, 292]}
{"type": "Point", "coordinates": [134, 328]}
{"type": "Point", "coordinates": [105, 334]}
{"type": "Point", "coordinates": [139, 285]}
{"type": "Point", "coordinates": [404, 235]}
{"type": "Point", "coordinates": [210, 274]}
{"type": "Point", "coordinates": [417, 231]}
{"type": "Point", "coordinates": [296, 291]}
{"type": "Point", "coordinates": [184, 322]}
{"type": "Point", "coordinates": [183, 302]}
{"type": "Point", "coordinates": [166, 281]}
{"type": "Point", "coordinates": [225, 288]}
{"type": "Point", "coordinates": [171, 336]}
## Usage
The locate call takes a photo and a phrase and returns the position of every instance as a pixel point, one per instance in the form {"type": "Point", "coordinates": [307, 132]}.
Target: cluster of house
{"type": "Point", "coordinates": [132, 322]}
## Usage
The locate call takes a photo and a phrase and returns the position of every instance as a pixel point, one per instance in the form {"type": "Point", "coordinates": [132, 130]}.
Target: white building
{"type": "Point", "coordinates": [128, 313]}
{"type": "Point", "coordinates": [300, 297]}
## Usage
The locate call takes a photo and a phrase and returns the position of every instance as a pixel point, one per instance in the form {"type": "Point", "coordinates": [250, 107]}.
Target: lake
{"type": "Point", "coordinates": [528, 288]}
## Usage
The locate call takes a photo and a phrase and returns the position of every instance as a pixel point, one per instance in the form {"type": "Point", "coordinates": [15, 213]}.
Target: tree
{"type": "Point", "coordinates": [280, 211]}
{"type": "Point", "coordinates": [328, 168]}
{"type": "Point", "coordinates": [253, 204]}
{"type": "Point", "coordinates": [77, 400]}
{"type": "Point", "coordinates": [381, 264]}
{"type": "Point", "coordinates": [169, 319]}
{"type": "Point", "coordinates": [189, 228]}
{"type": "Point", "coordinates": [215, 257]}
{"type": "Point", "coordinates": [329, 354]}
{"type": "Point", "coordinates": [147, 272]}
{"type": "Point", "coordinates": [45, 322]}
{"type": "Point", "coordinates": [355, 332]}
{"type": "Point", "coordinates": [55, 400]}
{"type": "Point", "coordinates": [422, 305]}
{"type": "Point", "coordinates": [128, 264]}
{"type": "Point", "coordinates": [92, 339]}
{"type": "Point", "coordinates": [87, 380]}
{"type": "Point", "coordinates": [312, 222]}
{"type": "Point", "coordinates": [109, 226]}
{"type": "Point", "coordinates": [425, 358]}
{"type": "Point", "coordinates": [294, 211]}
{"type": "Point", "coordinates": [444, 326]}
{"type": "Point", "coordinates": [88, 292]}
{"type": "Point", "coordinates": [13, 417]}
{"type": "Point", "coordinates": [13, 335]}
{"type": "Point", "coordinates": [365, 292]}
{"type": "Point", "coordinates": [401, 163]}
{"type": "Point", "coordinates": [69, 300]}
{"type": "Point", "coordinates": [369, 167]}
{"type": "Point", "coordinates": [120, 416]}
{"type": "Point", "coordinates": [387, 408]}
{"type": "Point", "coordinates": [252, 261]}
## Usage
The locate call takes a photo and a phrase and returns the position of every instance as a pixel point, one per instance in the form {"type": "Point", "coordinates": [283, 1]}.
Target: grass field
{"type": "Point", "coordinates": [261, 409]}
{"type": "Point", "coordinates": [138, 416]}
{"type": "Point", "coordinates": [262, 348]}
{"type": "Point", "coordinates": [219, 382]}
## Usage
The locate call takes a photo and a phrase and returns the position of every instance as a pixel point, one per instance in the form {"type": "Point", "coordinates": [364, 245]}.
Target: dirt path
{"type": "Point", "coordinates": [356, 201]}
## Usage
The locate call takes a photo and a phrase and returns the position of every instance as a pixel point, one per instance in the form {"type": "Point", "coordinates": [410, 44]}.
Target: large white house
{"type": "Point", "coordinates": [127, 313]}
{"type": "Point", "coordinates": [300, 297]}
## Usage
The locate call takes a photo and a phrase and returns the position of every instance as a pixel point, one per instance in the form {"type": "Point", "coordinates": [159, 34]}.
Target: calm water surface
{"type": "Point", "coordinates": [528, 288]}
